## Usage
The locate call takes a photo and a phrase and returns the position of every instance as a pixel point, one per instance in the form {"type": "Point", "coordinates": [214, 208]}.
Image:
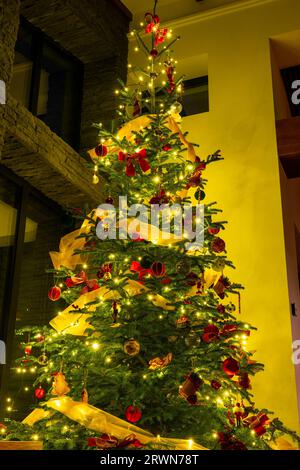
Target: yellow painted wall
{"type": "Point", "coordinates": [247, 185]}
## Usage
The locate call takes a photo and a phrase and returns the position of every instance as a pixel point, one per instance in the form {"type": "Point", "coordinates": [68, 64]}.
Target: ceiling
{"type": "Point", "coordinates": [171, 9]}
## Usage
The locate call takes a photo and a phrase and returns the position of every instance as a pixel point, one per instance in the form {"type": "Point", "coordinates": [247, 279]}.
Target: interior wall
{"type": "Point", "coordinates": [241, 122]}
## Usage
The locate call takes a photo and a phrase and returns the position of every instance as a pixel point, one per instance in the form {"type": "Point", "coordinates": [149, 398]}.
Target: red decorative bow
{"type": "Point", "coordinates": [130, 160]}
{"type": "Point", "coordinates": [107, 441]}
{"type": "Point", "coordinates": [257, 423]}
{"type": "Point", "coordinates": [90, 284]}
{"type": "Point", "coordinates": [152, 26]}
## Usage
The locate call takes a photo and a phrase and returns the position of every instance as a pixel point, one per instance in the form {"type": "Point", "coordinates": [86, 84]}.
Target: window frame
{"type": "Point", "coordinates": [38, 40]}
{"type": "Point", "coordinates": [8, 322]}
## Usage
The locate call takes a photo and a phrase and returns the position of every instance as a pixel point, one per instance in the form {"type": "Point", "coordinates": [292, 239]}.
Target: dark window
{"type": "Point", "coordinates": [48, 81]}
{"type": "Point", "coordinates": [31, 226]}
{"type": "Point", "coordinates": [195, 97]}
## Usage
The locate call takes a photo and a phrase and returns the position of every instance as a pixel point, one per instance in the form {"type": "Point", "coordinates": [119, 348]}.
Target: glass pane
{"type": "Point", "coordinates": [60, 93]}
{"type": "Point", "coordinates": [21, 79]}
{"type": "Point", "coordinates": [43, 230]}
{"type": "Point", "coordinates": [8, 218]}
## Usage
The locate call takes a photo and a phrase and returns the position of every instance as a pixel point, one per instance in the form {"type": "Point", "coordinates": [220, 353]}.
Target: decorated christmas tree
{"type": "Point", "coordinates": [149, 351]}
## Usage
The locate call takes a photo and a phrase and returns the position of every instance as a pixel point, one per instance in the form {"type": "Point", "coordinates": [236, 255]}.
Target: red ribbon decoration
{"type": "Point", "coordinates": [130, 160]}
{"type": "Point", "coordinates": [107, 441]}
{"type": "Point", "coordinates": [90, 284]}
{"type": "Point", "coordinates": [153, 27]}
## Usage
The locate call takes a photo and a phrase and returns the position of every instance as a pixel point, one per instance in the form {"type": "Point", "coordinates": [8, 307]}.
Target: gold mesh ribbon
{"type": "Point", "coordinates": [105, 423]}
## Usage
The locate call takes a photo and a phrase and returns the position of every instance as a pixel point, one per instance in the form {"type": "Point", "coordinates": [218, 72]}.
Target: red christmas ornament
{"type": "Point", "coordinates": [218, 245]}
{"type": "Point", "coordinates": [109, 200]}
{"type": "Point", "coordinates": [133, 414]}
{"type": "Point", "coordinates": [39, 392]}
{"type": "Point", "coordinates": [230, 366]}
{"type": "Point", "coordinates": [54, 293]}
{"type": "Point", "coordinates": [221, 308]}
{"type": "Point", "coordinates": [28, 350]}
{"type": "Point", "coordinates": [101, 150]}
{"type": "Point", "coordinates": [158, 269]}
{"type": "Point", "coordinates": [215, 384]}
{"type": "Point", "coordinates": [211, 333]}
{"type": "Point", "coordinates": [213, 230]}
{"type": "Point", "coordinates": [167, 147]}
{"type": "Point", "coordinates": [244, 381]}
{"type": "Point", "coordinates": [154, 52]}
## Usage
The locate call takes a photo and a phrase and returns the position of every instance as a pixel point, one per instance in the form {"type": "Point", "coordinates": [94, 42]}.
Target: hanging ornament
{"type": "Point", "coordinates": [211, 334]}
{"type": "Point", "coordinates": [230, 307]}
{"type": "Point", "coordinates": [158, 269]}
{"type": "Point", "coordinates": [167, 147]}
{"type": "Point", "coordinates": [176, 108]}
{"type": "Point", "coordinates": [84, 396]}
{"type": "Point", "coordinates": [183, 266]}
{"type": "Point", "coordinates": [28, 350]}
{"type": "Point", "coordinates": [215, 384]}
{"type": "Point", "coordinates": [59, 386]}
{"type": "Point", "coordinates": [221, 286]}
{"type": "Point", "coordinates": [43, 359]}
{"type": "Point", "coordinates": [191, 385]}
{"type": "Point", "coordinates": [101, 150]}
{"type": "Point", "coordinates": [160, 362]}
{"type": "Point", "coordinates": [154, 52]}
{"type": "Point", "coordinates": [213, 230]}
{"type": "Point", "coordinates": [221, 308]}
{"type": "Point", "coordinates": [218, 265]}
{"type": "Point", "coordinates": [238, 411]}
{"type": "Point", "coordinates": [183, 322]}
{"type": "Point", "coordinates": [132, 347]}
{"type": "Point", "coordinates": [217, 245]}
{"type": "Point", "coordinates": [39, 338]}
{"type": "Point", "coordinates": [95, 179]}
{"type": "Point", "coordinates": [230, 366]}
{"type": "Point", "coordinates": [109, 200]}
{"type": "Point", "coordinates": [54, 293]}
{"type": "Point", "coordinates": [133, 414]}
{"type": "Point", "coordinates": [105, 271]}
{"type": "Point", "coordinates": [39, 392]}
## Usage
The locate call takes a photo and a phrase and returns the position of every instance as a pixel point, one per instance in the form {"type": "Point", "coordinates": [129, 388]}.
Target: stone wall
{"type": "Point", "coordinates": [9, 22]}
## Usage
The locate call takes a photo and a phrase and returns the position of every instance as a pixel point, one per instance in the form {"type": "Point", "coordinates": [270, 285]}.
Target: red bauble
{"type": "Point", "coordinates": [39, 392]}
{"type": "Point", "coordinates": [211, 333]}
{"type": "Point", "coordinates": [215, 384]}
{"type": "Point", "coordinates": [218, 245]}
{"type": "Point", "coordinates": [133, 414]}
{"type": "Point", "coordinates": [109, 200]}
{"type": "Point", "coordinates": [167, 147]}
{"type": "Point", "coordinates": [28, 350]}
{"type": "Point", "coordinates": [230, 366]}
{"type": "Point", "coordinates": [158, 269]}
{"type": "Point", "coordinates": [101, 150]}
{"type": "Point", "coordinates": [54, 293]}
{"type": "Point", "coordinates": [154, 52]}
{"type": "Point", "coordinates": [213, 230]}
